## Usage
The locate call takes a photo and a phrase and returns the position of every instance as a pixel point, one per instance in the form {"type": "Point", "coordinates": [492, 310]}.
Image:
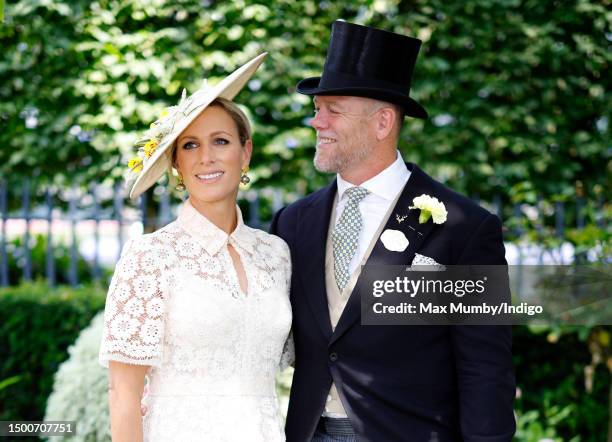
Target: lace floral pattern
{"type": "Point", "coordinates": [175, 304]}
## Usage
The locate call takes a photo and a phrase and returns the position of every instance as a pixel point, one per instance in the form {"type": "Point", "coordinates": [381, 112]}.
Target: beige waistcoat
{"type": "Point", "coordinates": [336, 299]}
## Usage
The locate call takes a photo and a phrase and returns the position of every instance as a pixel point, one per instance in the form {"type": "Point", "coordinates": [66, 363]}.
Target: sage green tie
{"type": "Point", "coordinates": [345, 235]}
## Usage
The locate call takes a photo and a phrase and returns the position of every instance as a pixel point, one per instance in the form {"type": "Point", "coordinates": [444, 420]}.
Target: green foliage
{"type": "Point", "coordinates": [283, 388]}
{"type": "Point", "coordinates": [80, 388]}
{"type": "Point", "coordinates": [9, 381]}
{"type": "Point", "coordinates": [37, 324]}
{"type": "Point", "coordinates": [38, 256]}
{"type": "Point", "coordinates": [517, 91]}
{"type": "Point", "coordinates": [536, 223]}
{"type": "Point", "coordinates": [557, 399]}
{"type": "Point", "coordinates": [531, 427]}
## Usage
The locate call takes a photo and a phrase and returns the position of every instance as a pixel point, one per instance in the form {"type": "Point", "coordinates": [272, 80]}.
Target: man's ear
{"type": "Point", "coordinates": [385, 120]}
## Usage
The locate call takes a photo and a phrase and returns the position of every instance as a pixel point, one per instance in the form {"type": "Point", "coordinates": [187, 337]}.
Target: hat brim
{"type": "Point", "coordinates": [227, 88]}
{"type": "Point", "coordinates": [310, 86]}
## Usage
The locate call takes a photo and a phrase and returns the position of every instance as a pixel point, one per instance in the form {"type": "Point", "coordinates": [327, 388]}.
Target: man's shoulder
{"type": "Point", "coordinates": [306, 201]}
{"type": "Point", "coordinates": [462, 208]}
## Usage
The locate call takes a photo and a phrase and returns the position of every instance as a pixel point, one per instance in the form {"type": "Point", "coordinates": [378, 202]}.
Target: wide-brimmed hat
{"type": "Point", "coordinates": [155, 146]}
{"type": "Point", "coordinates": [368, 62]}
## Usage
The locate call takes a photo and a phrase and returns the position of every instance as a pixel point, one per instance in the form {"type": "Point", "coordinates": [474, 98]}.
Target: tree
{"type": "Point", "coordinates": [516, 90]}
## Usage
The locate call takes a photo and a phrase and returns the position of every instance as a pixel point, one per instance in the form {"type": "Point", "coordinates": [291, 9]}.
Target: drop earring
{"type": "Point", "coordinates": [244, 178]}
{"type": "Point", "coordinates": [180, 185]}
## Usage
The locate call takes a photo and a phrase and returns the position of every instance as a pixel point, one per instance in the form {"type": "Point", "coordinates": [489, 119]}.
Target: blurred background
{"type": "Point", "coordinates": [519, 104]}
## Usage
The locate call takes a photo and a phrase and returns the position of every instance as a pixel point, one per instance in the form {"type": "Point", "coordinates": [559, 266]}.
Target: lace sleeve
{"type": "Point", "coordinates": [288, 356]}
{"type": "Point", "coordinates": [134, 313]}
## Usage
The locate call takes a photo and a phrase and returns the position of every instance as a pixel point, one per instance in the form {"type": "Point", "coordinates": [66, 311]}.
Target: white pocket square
{"type": "Point", "coordinates": [422, 260]}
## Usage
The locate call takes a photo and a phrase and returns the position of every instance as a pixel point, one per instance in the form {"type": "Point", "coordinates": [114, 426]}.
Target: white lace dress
{"type": "Point", "coordinates": [176, 305]}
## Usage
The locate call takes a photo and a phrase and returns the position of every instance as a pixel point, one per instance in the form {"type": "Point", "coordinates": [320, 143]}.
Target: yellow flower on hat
{"type": "Point", "coordinates": [150, 142]}
{"type": "Point", "coordinates": [430, 208]}
{"type": "Point", "coordinates": [149, 148]}
{"type": "Point", "coordinates": [135, 164]}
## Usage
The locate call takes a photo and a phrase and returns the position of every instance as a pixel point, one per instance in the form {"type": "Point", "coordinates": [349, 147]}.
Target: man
{"type": "Point", "coordinates": [384, 383]}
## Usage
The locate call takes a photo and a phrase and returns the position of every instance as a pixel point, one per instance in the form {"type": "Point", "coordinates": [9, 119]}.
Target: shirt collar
{"type": "Point", "coordinates": [385, 185]}
{"type": "Point", "coordinates": [211, 237]}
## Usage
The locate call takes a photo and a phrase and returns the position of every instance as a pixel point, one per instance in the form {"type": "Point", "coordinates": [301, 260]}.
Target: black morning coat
{"type": "Point", "coordinates": [421, 383]}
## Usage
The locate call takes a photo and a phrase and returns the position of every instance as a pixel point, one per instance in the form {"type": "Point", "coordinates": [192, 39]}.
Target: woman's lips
{"type": "Point", "coordinates": [209, 178]}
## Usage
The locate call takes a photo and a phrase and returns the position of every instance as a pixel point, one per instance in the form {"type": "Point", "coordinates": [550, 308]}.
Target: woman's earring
{"type": "Point", "coordinates": [244, 179]}
{"type": "Point", "coordinates": [180, 185]}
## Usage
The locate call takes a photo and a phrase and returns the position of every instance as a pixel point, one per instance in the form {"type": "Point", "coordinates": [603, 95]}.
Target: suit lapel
{"type": "Point", "coordinates": [312, 234]}
{"type": "Point", "coordinates": [418, 184]}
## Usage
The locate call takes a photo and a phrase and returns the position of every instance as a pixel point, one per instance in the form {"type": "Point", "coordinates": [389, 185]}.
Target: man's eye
{"type": "Point", "coordinates": [221, 141]}
{"type": "Point", "coordinates": [189, 145]}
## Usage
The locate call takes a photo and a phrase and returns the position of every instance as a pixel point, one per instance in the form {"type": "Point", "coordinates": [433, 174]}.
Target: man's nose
{"type": "Point", "coordinates": [318, 121]}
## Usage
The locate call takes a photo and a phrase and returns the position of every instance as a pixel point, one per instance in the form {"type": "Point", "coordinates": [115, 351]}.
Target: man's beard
{"type": "Point", "coordinates": [342, 159]}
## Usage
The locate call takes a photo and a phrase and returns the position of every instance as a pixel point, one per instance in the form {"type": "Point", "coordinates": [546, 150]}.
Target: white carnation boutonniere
{"type": "Point", "coordinates": [430, 207]}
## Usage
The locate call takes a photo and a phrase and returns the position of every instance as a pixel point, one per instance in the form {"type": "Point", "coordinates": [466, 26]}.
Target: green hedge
{"type": "Point", "coordinates": [37, 324]}
{"type": "Point", "coordinates": [80, 389]}
{"type": "Point", "coordinates": [38, 259]}
{"type": "Point", "coordinates": [554, 401]}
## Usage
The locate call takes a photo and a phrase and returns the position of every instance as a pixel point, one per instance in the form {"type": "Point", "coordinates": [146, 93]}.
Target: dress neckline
{"type": "Point", "coordinates": [211, 237]}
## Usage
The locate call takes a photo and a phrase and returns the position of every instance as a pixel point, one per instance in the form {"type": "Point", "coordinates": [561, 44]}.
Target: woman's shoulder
{"type": "Point", "coordinates": [162, 238]}
{"type": "Point", "coordinates": [267, 238]}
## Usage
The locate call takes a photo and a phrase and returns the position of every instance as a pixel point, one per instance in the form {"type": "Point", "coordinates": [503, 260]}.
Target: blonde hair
{"type": "Point", "coordinates": [239, 117]}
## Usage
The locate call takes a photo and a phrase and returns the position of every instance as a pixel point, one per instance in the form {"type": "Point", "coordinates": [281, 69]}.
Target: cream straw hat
{"type": "Point", "coordinates": [156, 145]}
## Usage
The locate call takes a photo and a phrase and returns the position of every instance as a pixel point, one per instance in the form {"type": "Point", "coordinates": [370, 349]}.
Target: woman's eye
{"type": "Point", "coordinates": [189, 145]}
{"type": "Point", "coordinates": [221, 141]}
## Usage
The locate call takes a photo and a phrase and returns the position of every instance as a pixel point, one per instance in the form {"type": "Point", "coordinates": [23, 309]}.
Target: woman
{"type": "Point", "coordinates": [200, 307]}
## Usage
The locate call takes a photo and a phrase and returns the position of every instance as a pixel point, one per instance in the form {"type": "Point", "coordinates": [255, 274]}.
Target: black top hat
{"type": "Point", "coordinates": [368, 62]}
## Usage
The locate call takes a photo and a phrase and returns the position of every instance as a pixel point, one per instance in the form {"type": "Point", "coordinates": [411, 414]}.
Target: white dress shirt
{"type": "Point", "coordinates": [383, 188]}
